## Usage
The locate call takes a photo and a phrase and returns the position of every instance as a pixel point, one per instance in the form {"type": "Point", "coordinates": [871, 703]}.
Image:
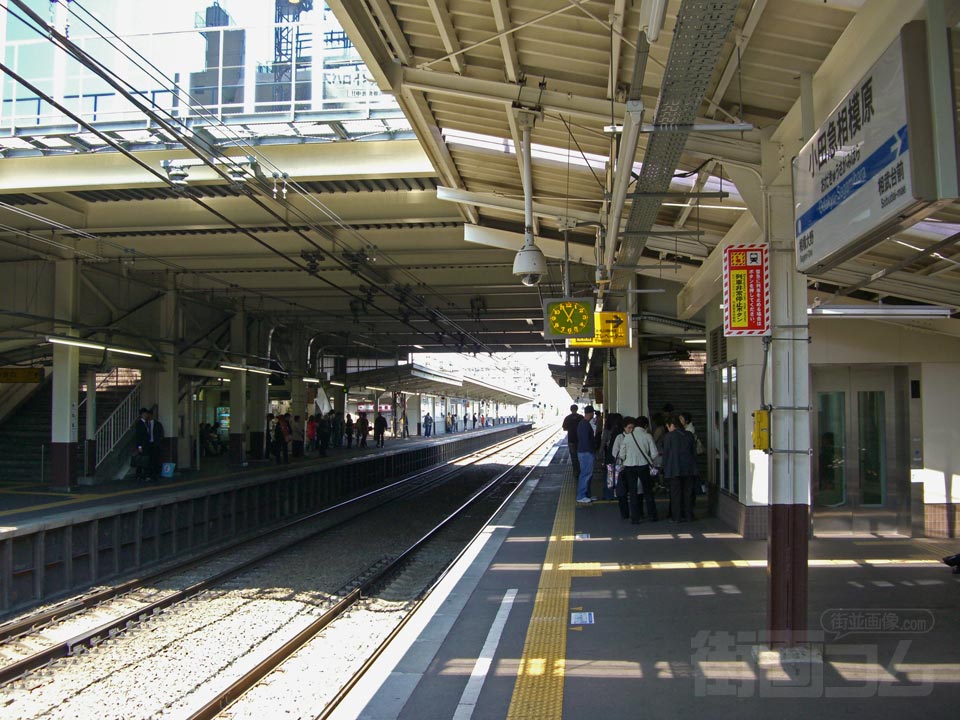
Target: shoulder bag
{"type": "Point", "coordinates": [654, 470]}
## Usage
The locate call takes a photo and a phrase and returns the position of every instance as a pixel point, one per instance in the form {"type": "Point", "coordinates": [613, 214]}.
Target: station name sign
{"type": "Point", "coordinates": [868, 170]}
{"type": "Point", "coordinates": [21, 374]}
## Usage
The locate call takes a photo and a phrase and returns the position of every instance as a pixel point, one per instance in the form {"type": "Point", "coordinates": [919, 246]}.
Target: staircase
{"type": "Point", "coordinates": [682, 383]}
{"type": "Point", "coordinates": [25, 438]}
{"type": "Point", "coordinates": [25, 434]}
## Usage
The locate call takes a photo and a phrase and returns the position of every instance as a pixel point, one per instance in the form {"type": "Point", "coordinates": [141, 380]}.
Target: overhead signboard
{"type": "Point", "coordinates": [611, 330]}
{"type": "Point", "coordinates": [868, 171]}
{"type": "Point", "coordinates": [21, 375]}
{"type": "Point", "coordinates": [746, 290]}
{"type": "Point", "coordinates": [568, 318]}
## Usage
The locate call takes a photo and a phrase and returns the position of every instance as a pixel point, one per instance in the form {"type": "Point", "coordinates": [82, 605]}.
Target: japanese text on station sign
{"type": "Point", "coordinates": [611, 330]}
{"type": "Point", "coordinates": [746, 290]}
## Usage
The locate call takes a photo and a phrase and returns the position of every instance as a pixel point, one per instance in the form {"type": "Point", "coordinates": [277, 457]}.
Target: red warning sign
{"type": "Point", "coordinates": [746, 290]}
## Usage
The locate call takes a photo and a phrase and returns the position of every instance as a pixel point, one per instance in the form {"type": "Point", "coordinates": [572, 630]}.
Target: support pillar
{"type": "Point", "coordinates": [787, 549]}
{"type": "Point", "coordinates": [628, 381]}
{"type": "Point", "coordinates": [238, 391]}
{"type": "Point", "coordinates": [66, 382]}
{"type": "Point", "coordinates": [90, 434]}
{"type": "Point", "coordinates": [168, 381]}
{"type": "Point", "coordinates": [258, 395]}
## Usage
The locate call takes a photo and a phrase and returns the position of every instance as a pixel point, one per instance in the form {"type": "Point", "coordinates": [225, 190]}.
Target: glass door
{"type": "Point", "coordinates": [857, 473]}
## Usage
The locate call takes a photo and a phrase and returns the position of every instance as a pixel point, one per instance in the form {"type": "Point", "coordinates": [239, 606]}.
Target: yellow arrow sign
{"type": "Point", "coordinates": [610, 330]}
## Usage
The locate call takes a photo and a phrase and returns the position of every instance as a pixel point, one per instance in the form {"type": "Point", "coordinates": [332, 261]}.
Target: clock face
{"type": "Point", "coordinates": [569, 317]}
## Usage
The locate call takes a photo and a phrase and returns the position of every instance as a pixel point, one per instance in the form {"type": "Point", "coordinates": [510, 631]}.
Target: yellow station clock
{"type": "Point", "coordinates": [568, 318]}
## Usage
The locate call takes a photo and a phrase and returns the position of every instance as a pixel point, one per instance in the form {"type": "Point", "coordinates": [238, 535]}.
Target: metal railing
{"type": "Point", "coordinates": [117, 424]}
{"type": "Point", "coordinates": [117, 377]}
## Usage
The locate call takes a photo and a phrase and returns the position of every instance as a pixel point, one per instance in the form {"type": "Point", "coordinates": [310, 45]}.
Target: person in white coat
{"type": "Point", "coordinates": [637, 453]}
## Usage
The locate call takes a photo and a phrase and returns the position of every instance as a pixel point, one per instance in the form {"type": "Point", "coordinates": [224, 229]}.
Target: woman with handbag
{"type": "Point", "coordinates": [637, 452]}
{"type": "Point", "coordinates": [612, 429]}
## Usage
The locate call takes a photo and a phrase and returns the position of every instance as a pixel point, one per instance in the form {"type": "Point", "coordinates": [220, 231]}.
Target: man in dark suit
{"type": "Point", "coordinates": [570, 423]}
{"type": "Point", "coordinates": [148, 434]}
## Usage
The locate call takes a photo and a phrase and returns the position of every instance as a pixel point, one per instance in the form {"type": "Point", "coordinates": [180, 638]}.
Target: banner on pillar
{"type": "Point", "coordinates": [746, 290]}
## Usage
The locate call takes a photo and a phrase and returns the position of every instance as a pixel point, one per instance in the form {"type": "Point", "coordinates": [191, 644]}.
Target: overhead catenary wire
{"type": "Point", "coordinates": [171, 124]}
{"type": "Point", "coordinates": [96, 67]}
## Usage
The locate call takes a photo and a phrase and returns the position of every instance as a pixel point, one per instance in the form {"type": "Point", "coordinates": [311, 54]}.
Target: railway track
{"type": "Point", "coordinates": [133, 604]}
{"type": "Point", "coordinates": [392, 572]}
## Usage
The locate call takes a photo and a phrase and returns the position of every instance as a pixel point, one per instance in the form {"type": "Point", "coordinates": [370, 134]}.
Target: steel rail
{"type": "Point", "coordinates": [368, 663]}
{"type": "Point", "coordinates": [231, 694]}
{"type": "Point", "coordinates": [109, 629]}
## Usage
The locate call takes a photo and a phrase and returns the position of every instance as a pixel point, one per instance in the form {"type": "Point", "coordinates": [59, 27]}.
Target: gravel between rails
{"type": "Point", "coordinates": [171, 662]}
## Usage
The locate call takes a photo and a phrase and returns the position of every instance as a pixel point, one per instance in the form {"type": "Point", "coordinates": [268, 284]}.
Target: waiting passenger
{"type": "Point", "coordinates": [679, 469]}
{"type": "Point", "coordinates": [296, 436]}
{"type": "Point", "coordinates": [363, 427]}
{"type": "Point", "coordinates": [379, 429]}
{"type": "Point", "coordinates": [427, 425]}
{"type": "Point", "coordinates": [348, 430]}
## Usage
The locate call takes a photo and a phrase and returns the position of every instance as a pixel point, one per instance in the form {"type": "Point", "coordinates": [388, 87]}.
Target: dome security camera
{"type": "Point", "coordinates": [530, 264]}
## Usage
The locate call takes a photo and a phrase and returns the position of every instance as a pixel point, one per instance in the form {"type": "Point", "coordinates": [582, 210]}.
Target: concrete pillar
{"type": "Point", "coordinates": [238, 391]}
{"type": "Point", "coordinates": [258, 393]}
{"type": "Point", "coordinates": [90, 451]}
{"type": "Point", "coordinates": [789, 461]}
{"type": "Point", "coordinates": [790, 431]}
{"type": "Point", "coordinates": [628, 399]}
{"type": "Point", "coordinates": [66, 382]}
{"type": "Point", "coordinates": [413, 415]}
{"type": "Point", "coordinates": [168, 380]}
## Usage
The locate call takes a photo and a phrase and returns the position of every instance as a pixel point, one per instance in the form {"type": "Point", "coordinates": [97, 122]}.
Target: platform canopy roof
{"type": "Point", "coordinates": [383, 230]}
{"type": "Point", "coordinates": [418, 379]}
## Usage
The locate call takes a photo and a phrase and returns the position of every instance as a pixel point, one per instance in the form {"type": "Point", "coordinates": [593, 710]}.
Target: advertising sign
{"type": "Point", "coordinates": [746, 290]}
{"type": "Point", "coordinates": [865, 166]}
{"type": "Point", "coordinates": [610, 330]}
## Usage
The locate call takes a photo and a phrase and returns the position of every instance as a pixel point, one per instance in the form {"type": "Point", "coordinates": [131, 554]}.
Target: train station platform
{"type": "Point", "coordinates": [559, 610]}
{"type": "Point", "coordinates": [53, 543]}
{"type": "Point", "coordinates": [33, 502]}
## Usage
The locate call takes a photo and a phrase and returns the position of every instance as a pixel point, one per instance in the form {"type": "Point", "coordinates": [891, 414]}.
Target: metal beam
{"type": "Point", "coordinates": [501, 16]}
{"type": "Point", "coordinates": [392, 30]}
{"type": "Point", "coordinates": [616, 40]}
{"type": "Point", "coordinates": [702, 178]}
{"type": "Point", "coordinates": [448, 34]}
{"type": "Point", "coordinates": [733, 62]}
{"type": "Point", "coordinates": [900, 265]}
{"type": "Point", "coordinates": [418, 110]}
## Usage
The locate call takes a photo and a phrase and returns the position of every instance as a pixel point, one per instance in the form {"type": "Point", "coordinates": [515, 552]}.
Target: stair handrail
{"type": "Point", "coordinates": [112, 377]}
{"type": "Point", "coordinates": [117, 424]}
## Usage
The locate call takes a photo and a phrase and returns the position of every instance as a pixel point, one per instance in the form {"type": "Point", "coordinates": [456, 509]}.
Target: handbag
{"type": "Point", "coordinates": [653, 469]}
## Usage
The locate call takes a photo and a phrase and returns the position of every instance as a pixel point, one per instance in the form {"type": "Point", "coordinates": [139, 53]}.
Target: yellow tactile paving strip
{"type": "Point", "coordinates": [538, 691]}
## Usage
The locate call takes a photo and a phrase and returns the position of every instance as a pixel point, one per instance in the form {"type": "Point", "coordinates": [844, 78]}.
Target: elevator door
{"type": "Point", "coordinates": [858, 472]}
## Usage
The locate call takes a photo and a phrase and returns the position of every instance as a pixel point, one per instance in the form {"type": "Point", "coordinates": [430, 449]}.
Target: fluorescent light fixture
{"type": "Point", "coordinates": [234, 367]}
{"type": "Point", "coordinates": [705, 207]}
{"type": "Point", "coordinates": [138, 353]}
{"type": "Point", "coordinates": [338, 384]}
{"type": "Point", "coordinates": [373, 387]}
{"type": "Point", "coordinates": [696, 341]}
{"type": "Point", "coordinates": [259, 371]}
{"type": "Point", "coordinates": [96, 346]}
{"type": "Point", "coordinates": [419, 347]}
{"type": "Point", "coordinates": [311, 380]}
{"type": "Point", "coordinates": [76, 343]}
{"type": "Point", "coordinates": [880, 311]}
